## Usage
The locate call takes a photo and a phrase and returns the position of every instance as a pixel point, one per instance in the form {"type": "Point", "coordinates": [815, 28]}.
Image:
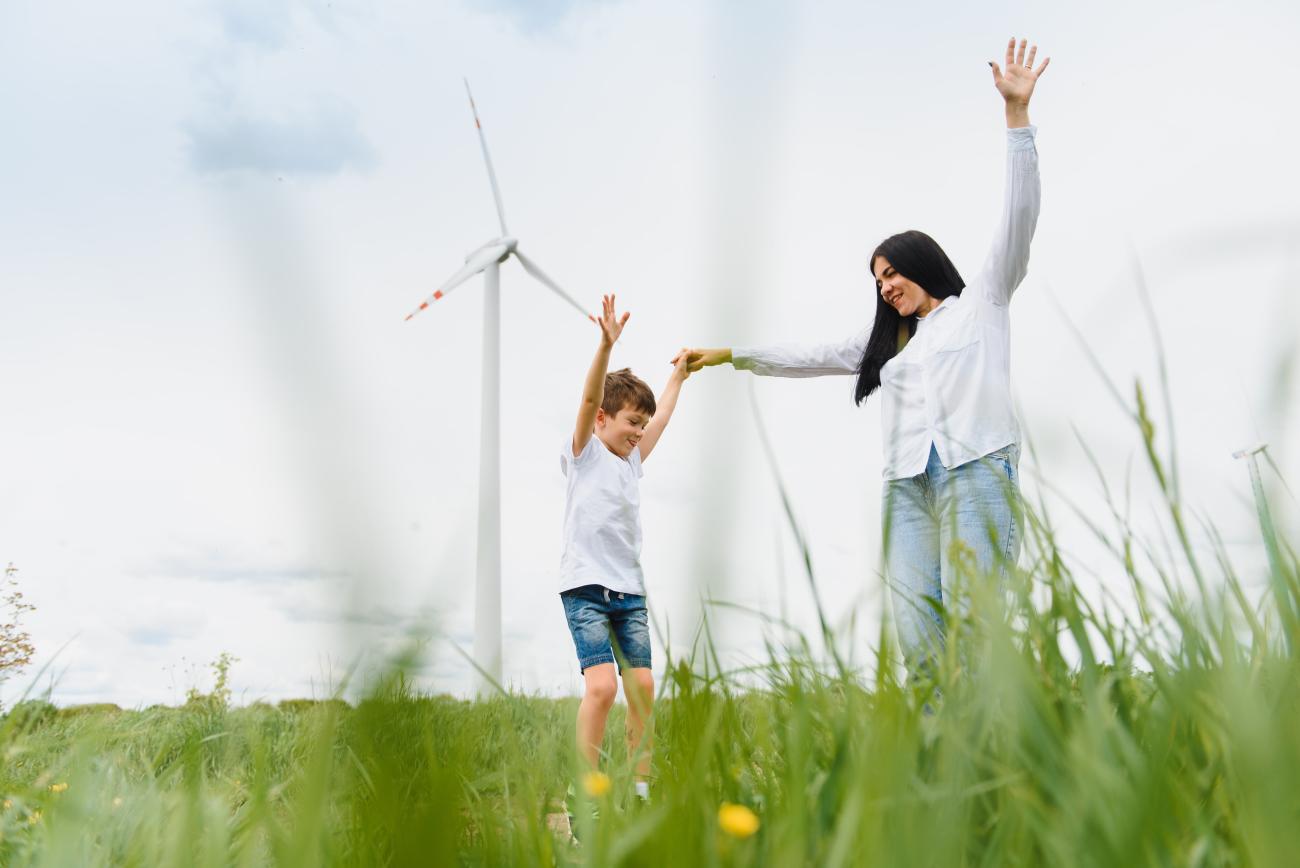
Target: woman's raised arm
{"type": "Point", "coordinates": [1008, 259]}
{"type": "Point", "coordinates": [1016, 84]}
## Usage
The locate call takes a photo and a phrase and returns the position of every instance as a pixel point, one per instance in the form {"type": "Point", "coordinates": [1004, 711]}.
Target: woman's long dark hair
{"type": "Point", "coordinates": [920, 259]}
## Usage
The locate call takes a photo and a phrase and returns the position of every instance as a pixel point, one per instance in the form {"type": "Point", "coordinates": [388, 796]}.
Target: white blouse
{"type": "Point", "coordinates": [951, 385]}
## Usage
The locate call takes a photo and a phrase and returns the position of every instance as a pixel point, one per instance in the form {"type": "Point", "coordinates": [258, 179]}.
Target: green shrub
{"type": "Point", "coordinates": [92, 708]}
{"type": "Point", "coordinates": [31, 713]}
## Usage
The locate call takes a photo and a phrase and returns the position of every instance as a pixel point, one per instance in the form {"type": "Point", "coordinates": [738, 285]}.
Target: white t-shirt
{"type": "Point", "coordinates": [602, 519]}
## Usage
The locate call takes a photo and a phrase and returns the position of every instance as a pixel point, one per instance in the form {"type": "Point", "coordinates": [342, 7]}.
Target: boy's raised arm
{"type": "Point", "coordinates": [593, 389]}
{"type": "Point", "coordinates": [654, 429]}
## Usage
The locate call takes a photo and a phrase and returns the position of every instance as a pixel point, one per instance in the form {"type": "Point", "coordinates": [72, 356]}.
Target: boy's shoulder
{"type": "Point", "coordinates": [595, 453]}
{"type": "Point", "coordinates": [589, 454]}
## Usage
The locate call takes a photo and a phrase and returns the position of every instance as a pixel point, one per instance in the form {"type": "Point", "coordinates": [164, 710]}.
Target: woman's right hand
{"type": "Point", "coordinates": [1016, 82]}
{"type": "Point", "coordinates": [703, 358]}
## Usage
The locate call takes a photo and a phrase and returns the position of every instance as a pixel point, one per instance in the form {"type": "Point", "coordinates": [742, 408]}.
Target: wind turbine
{"type": "Point", "coordinates": [487, 259]}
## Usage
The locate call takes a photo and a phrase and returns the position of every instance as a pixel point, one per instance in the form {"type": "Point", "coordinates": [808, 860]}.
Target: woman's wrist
{"type": "Point", "coordinates": [1017, 115]}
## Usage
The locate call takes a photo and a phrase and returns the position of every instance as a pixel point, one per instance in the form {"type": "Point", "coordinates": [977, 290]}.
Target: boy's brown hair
{"type": "Point", "coordinates": [625, 389]}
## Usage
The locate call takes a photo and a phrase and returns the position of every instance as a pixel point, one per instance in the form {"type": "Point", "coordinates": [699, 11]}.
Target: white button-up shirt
{"type": "Point", "coordinates": [951, 385]}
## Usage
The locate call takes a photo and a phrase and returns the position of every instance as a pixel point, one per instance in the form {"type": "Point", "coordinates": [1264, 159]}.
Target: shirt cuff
{"type": "Point", "coordinates": [1021, 138]}
{"type": "Point", "coordinates": [742, 358]}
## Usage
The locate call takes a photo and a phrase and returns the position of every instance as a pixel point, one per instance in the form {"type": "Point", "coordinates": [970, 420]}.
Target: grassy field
{"type": "Point", "coordinates": [1022, 760]}
{"type": "Point", "coordinates": [1055, 731]}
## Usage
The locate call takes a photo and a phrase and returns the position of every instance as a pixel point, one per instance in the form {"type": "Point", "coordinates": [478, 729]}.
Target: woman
{"type": "Point", "coordinates": [940, 357]}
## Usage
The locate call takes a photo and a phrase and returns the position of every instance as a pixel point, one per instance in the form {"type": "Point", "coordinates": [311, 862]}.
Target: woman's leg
{"type": "Point", "coordinates": [981, 521]}
{"type": "Point", "coordinates": [912, 570]}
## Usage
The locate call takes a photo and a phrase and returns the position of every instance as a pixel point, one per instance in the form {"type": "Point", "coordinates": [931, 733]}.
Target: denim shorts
{"type": "Point", "coordinates": [602, 621]}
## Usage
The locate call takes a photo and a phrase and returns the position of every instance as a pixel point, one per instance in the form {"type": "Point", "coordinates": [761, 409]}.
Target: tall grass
{"type": "Point", "coordinates": [1055, 730]}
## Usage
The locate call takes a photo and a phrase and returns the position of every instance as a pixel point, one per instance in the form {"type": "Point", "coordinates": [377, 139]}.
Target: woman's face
{"type": "Point", "coordinates": [900, 293]}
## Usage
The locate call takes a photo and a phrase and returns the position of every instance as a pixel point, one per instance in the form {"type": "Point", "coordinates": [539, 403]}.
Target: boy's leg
{"type": "Point", "coordinates": [629, 621]}
{"type": "Point", "coordinates": [639, 688]}
{"type": "Point", "coordinates": [600, 688]}
{"type": "Point", "coordinates": [588, 615]}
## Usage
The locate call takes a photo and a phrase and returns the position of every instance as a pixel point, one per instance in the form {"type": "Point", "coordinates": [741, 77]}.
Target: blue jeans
{"type": "Point", "coordinates": [934, 522]}
{"type": "Point", "coordinates": [600, 618]}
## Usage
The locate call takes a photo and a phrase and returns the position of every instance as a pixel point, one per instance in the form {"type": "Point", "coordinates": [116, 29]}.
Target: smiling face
{"type": "Point", "coordinates": [900, 293]}
{"type": "Point", "coordinates": [622, 431]}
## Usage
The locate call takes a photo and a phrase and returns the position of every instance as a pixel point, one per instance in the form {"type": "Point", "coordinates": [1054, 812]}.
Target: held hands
{"type": "Point", "coordinates": [1016, 84]}
{"type": "Point", "coordinates": [611, 325]}
{"type": "Point", "coordinates": [694, 359]}
{"type": "Point", "coordinates": [681, 364]}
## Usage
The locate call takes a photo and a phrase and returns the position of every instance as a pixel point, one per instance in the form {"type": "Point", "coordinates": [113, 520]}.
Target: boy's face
{"type": "Point", "coordinates": [621, 432]}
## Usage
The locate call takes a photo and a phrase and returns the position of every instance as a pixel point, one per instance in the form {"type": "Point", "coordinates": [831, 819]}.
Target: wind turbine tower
{"type": "Point", "coordinates": [487, 259]}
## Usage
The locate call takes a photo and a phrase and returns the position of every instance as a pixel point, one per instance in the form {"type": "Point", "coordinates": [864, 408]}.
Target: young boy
{"type": "Point", "coordinates": [601, 586]}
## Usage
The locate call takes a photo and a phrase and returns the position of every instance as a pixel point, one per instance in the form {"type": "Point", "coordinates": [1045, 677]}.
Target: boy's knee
{"type": "Point", "coordinates": [645, 681]}
{"type": "Point", "coordinates": [602, 690]}
{"type": "Point", "coordinates": [642, 681]}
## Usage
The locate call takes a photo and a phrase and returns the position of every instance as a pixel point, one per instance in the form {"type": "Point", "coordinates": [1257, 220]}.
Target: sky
{"type": "Point", "coordinates": [219, 434]}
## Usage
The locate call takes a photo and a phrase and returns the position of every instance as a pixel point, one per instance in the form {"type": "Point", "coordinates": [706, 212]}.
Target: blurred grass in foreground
{"type": "Point", "coordinates": [1055, 731]}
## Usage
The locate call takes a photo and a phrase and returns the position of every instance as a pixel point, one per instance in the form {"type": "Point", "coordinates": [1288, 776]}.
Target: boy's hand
{"type": "Point", "coordinates": [611, 326]}
{"type": "Point", "coordinates": [681, 364]}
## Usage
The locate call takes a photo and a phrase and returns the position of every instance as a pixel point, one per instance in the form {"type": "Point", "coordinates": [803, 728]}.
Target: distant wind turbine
{"type": "Point", "coordinates": [487, 259]}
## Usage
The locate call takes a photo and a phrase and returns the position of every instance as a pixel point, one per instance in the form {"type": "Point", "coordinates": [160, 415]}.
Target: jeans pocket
{"type": "Point", "coordinates": [1009, 454]}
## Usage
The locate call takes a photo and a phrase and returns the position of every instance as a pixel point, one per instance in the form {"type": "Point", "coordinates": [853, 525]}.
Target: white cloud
{"type": "Point", "coordinates": [264, 24]}
{"type": "Point", "coordinates": [533, 16]}
{"type": "Point", "coordinates": [301, 126]}
{"type": "Point", "coordinates": [323, 140]}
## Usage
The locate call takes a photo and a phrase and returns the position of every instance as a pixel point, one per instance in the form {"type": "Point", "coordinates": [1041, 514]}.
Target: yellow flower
{"type": "Point", "coordinates": [596, 784]}
{"type": "Point", "coordinates": [8, 804]}
{"type": "Point", "coordinates": [117, 801]}
{"type": "Point", "coordinates": [34, 818]}
{"type": "Point", "coordinates": [58, 788]}
{"type": "Point", "coordinates": [737, 820]}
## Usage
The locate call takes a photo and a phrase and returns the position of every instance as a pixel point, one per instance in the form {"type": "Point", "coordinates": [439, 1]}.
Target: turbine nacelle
{"type": "Point", "coordinates": [506, 243]}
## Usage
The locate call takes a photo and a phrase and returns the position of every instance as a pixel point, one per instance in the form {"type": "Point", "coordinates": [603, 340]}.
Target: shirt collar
{"type": "Point", "coordinates": [920, 320]}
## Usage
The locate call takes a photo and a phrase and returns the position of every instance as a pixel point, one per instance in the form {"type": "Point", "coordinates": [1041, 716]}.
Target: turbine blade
{"type": "Point", "coordinates": [531, 268]}
{"type": "Point", "coordinates": [492, 176]}
{"type": "Point", "coordinates": [473, 266]}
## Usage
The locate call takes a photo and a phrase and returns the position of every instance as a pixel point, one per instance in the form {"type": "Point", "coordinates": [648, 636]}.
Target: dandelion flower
{"type": "Point", "coordinates": [58, 788]}
{"type": "Point", "coordinates": [8, 804]}
{"type": "Point", "coordinates": [737, 820]}
{"type": "Point", "coordinates": [596, 784]}
{"type": "Point", "coordinates": [34, 818]}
